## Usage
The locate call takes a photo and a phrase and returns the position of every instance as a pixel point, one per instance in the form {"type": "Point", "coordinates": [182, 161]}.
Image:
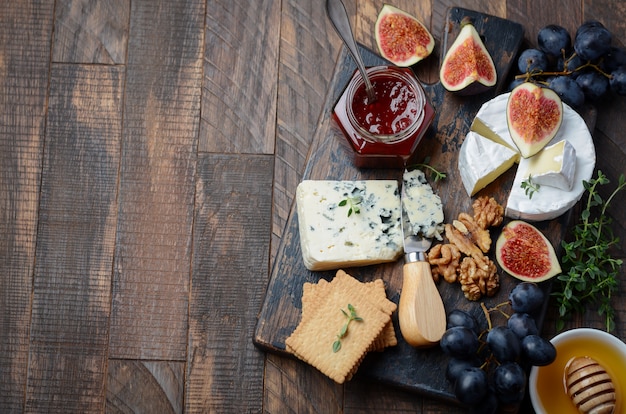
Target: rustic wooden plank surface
{"type": "Point", "coordinates": [25, 33]}
{"type": "Point", "coordinates": [88, 31]}
{"type": "Point", "coordinates": [76, 240]}
{"type": "Point", "coordinates": [231, 251]}
{"type": "Point", "coordinates": [157, 181]}
{"type": "Point", "coordinates": [240, 70]}
{"type": "Point", "coordinates": [202, 87]}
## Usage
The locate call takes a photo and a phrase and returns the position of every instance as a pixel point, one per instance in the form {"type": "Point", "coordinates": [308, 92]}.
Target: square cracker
{"type": "Point", "coordinates": [311, 291]}
{"type": "Point", "coordinates": [322, 320]}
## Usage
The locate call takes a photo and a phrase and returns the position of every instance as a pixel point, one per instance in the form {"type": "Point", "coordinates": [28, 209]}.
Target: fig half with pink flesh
{"type": "Point", "coordinates": [467, 68]}
{"type": "Point", "coordinates": [534, 115]}
{"type": "Point", "coordinates": [401, 38]}
{"type": "Point", "coordinates": [525, 253]}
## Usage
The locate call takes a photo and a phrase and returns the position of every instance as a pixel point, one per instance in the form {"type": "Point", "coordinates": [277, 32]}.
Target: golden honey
{"type": "Point", "coordinates": [550, 387]}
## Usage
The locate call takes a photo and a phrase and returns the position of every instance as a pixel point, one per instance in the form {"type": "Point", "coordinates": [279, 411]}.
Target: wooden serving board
{"type": "Point", "coordinates": [413, 369]}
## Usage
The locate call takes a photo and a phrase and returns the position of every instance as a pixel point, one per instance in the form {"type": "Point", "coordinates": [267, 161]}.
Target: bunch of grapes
{"type": "Point", "coordinates": [586, 69]}
{"type": "Point", "coordinates": [488, 368]}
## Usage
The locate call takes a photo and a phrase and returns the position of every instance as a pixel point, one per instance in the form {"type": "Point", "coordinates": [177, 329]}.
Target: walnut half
{"type": "Point", "coordinates": [444, 259]}
{"type": "Point", "coordinates": [487, 212]}
{"type": "Point", "coordinates": [476, 280]}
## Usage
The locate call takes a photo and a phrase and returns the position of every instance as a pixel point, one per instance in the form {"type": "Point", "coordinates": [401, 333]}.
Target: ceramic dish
{"type": "Point", "coordinates": [545, 384]}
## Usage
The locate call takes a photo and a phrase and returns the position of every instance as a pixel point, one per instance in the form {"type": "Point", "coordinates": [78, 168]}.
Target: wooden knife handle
{"type": "Point", "coordinates": [421, 313]}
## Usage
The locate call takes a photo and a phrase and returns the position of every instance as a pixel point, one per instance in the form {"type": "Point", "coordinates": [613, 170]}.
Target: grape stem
{"type": "Point", "coordinates": [565, 72]}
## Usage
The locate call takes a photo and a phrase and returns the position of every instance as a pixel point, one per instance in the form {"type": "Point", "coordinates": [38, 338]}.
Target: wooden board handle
{"type": "Point", "coordinates": [421, 313]}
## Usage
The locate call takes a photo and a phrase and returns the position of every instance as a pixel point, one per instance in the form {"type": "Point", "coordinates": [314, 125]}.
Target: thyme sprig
{"type": "Point", "coordinates": [352, 316]}
{"type": "Point", "coordinates": [590, 275]}
{"type": "Point", "coordinates": [436, 175]}
{"type": "Point", "coordinates": [353, 202]}
{"type": "Point", "coordinates": [530, 187]}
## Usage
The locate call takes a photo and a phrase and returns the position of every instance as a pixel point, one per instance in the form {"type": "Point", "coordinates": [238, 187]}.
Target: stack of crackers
{"type": "Point", "coordinates": [324, 314]}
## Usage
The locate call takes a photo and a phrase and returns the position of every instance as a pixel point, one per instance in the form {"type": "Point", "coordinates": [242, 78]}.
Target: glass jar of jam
{"type": "Point", "coordinates": [384, 133]}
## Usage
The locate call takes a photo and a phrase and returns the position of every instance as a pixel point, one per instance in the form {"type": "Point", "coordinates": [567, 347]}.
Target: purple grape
{"type": "Point", "coordinates": [538, 351]}
{"type": "Point", "coordinates": [615, 58]}
{"type": "Point", "coordinates": [554, 40]}
{"type": "Point", "coordinates": [592, 40]}
{"type": "Point", "coordinates": [471, 386]}
{"type": "Point", "coordinates": [504, 344]}
{"type": "Point", "coordinates": [526, 297]}
{"type": "Point", "coordinates": [568, 90]}
{"type": "Point", "coordinates": [532, 60]}
{"type": "Point", "coordinates": [459, 317]}
{"type": "Point", "coordinates": [573, 62]}
{"type": "Point", "coordinates": [522, 325]}
{"type": "Point", "coordinates": [456, 365]}
{"type": "Point", "coordinates": [594, 85]}
{"type": "Point", "coordinates": [510, 382]}
{"type": "Point", "coordinates": [459, 342]}
{"type": "Point", "coordinates": [618, 81]}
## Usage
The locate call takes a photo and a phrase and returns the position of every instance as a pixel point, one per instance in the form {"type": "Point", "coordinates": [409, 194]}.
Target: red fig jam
{"type": "Point", "coordinates": [384, 133]}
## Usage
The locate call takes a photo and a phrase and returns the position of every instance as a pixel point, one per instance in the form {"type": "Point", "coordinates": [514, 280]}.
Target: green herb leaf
{"type": "Point", "coordinates": [530, 187]}
{"type": "Point", "coordinates": [436, 175]}
{"type": "Point", "coordinates": [590, 274]}
{"type": "Point", "coordinates": [353, 203]}
{"type": "Point", "coordinates": [352, 316]}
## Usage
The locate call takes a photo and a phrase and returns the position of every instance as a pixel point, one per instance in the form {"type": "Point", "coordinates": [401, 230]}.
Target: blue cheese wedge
{"type": "Point", "coordinates": [554, 166]}
{"type": "Point", "coordinates": [482, 160]}
{"type": "Point", "coordinates": [422, 205]}
{"type": "Point", "coordinates": [349, 223]}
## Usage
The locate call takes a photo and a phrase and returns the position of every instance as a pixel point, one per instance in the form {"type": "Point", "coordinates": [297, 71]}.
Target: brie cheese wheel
{"type": "Point", "coordinates": [554, 166]}
{"type": "Point", "coordinates": [331, 238]}
{"type": "Point", "coordinates": [483, 160]}
{"type": "Point", "coordinates": [423, 207]}
{"type": "Point", "coordinates": [549, 202]}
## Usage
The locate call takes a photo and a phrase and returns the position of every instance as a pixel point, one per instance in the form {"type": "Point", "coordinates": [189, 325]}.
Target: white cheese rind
{"type": "Point", "coordinates": [554, 166]}
{"type": "Point", "coordinates": [482, 160]}
{"type": "Point", "coordinates": [488, 122]}
{"type": "Point", "coordinates": [330, 239]}
{"type": "Point", "coordinates": [422, 205]}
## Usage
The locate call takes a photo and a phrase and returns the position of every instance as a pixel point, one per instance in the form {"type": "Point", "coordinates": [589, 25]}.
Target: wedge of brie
{"type": "Point", "coordinates": [554, 166]}
{"type": "Point", "coordinates": [482, 160]}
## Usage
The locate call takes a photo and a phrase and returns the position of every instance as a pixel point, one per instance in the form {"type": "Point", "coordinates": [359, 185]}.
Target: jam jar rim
{"type": "Point", "coordinates": [410, 79]}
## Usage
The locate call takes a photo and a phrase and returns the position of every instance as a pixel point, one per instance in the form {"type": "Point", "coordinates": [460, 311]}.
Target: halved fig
{"type": "Point", "coordinates": [401, 38]}
{"type": "Point", "coordinates": [534, 115]}
{"type": "Point", "coordinates": [467, 67]}
{"type": "Point", "coordinates": [525, 253]}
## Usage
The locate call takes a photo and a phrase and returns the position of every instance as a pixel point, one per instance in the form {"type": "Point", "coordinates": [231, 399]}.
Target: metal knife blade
{"type": "Point", "coordinates": [421, 312]}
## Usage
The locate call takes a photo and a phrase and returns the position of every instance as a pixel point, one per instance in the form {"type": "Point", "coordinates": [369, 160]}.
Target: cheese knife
{"type": "Point", "coordinates": [421, 312]}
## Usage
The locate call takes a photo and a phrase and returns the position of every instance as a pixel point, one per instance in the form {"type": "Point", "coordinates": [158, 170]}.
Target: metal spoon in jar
{"type": "Point", "coordinates": [339, 18]}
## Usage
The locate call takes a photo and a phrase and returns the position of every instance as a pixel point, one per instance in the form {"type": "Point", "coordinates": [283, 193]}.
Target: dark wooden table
{"type": "Point", "coordinates": [149, 154]}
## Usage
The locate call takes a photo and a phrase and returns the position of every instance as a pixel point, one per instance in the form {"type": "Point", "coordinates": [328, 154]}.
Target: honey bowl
{"type": "Point", "coordinates": [547, 384]}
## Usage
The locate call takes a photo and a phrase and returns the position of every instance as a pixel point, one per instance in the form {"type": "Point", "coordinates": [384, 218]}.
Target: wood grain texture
{"type": "Point", "coordinates": [145, 387]}
{"type": "Point", "coordinates": [89, 31]}
{"type": "Point", "coordinates": [240, 70]}
{"type": "Point", "coordinates": [161, 118]}
{"type": "Point", "coordinates": [25, 32]}
{"type": "Point", "coordinates": [231, 251]}
{"type": "Point", "coordinates": [72, 280]}
{"type": "Point", "coordinates": [309, 49]}
{"type": "Point", "coordinates": [292, 388]}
